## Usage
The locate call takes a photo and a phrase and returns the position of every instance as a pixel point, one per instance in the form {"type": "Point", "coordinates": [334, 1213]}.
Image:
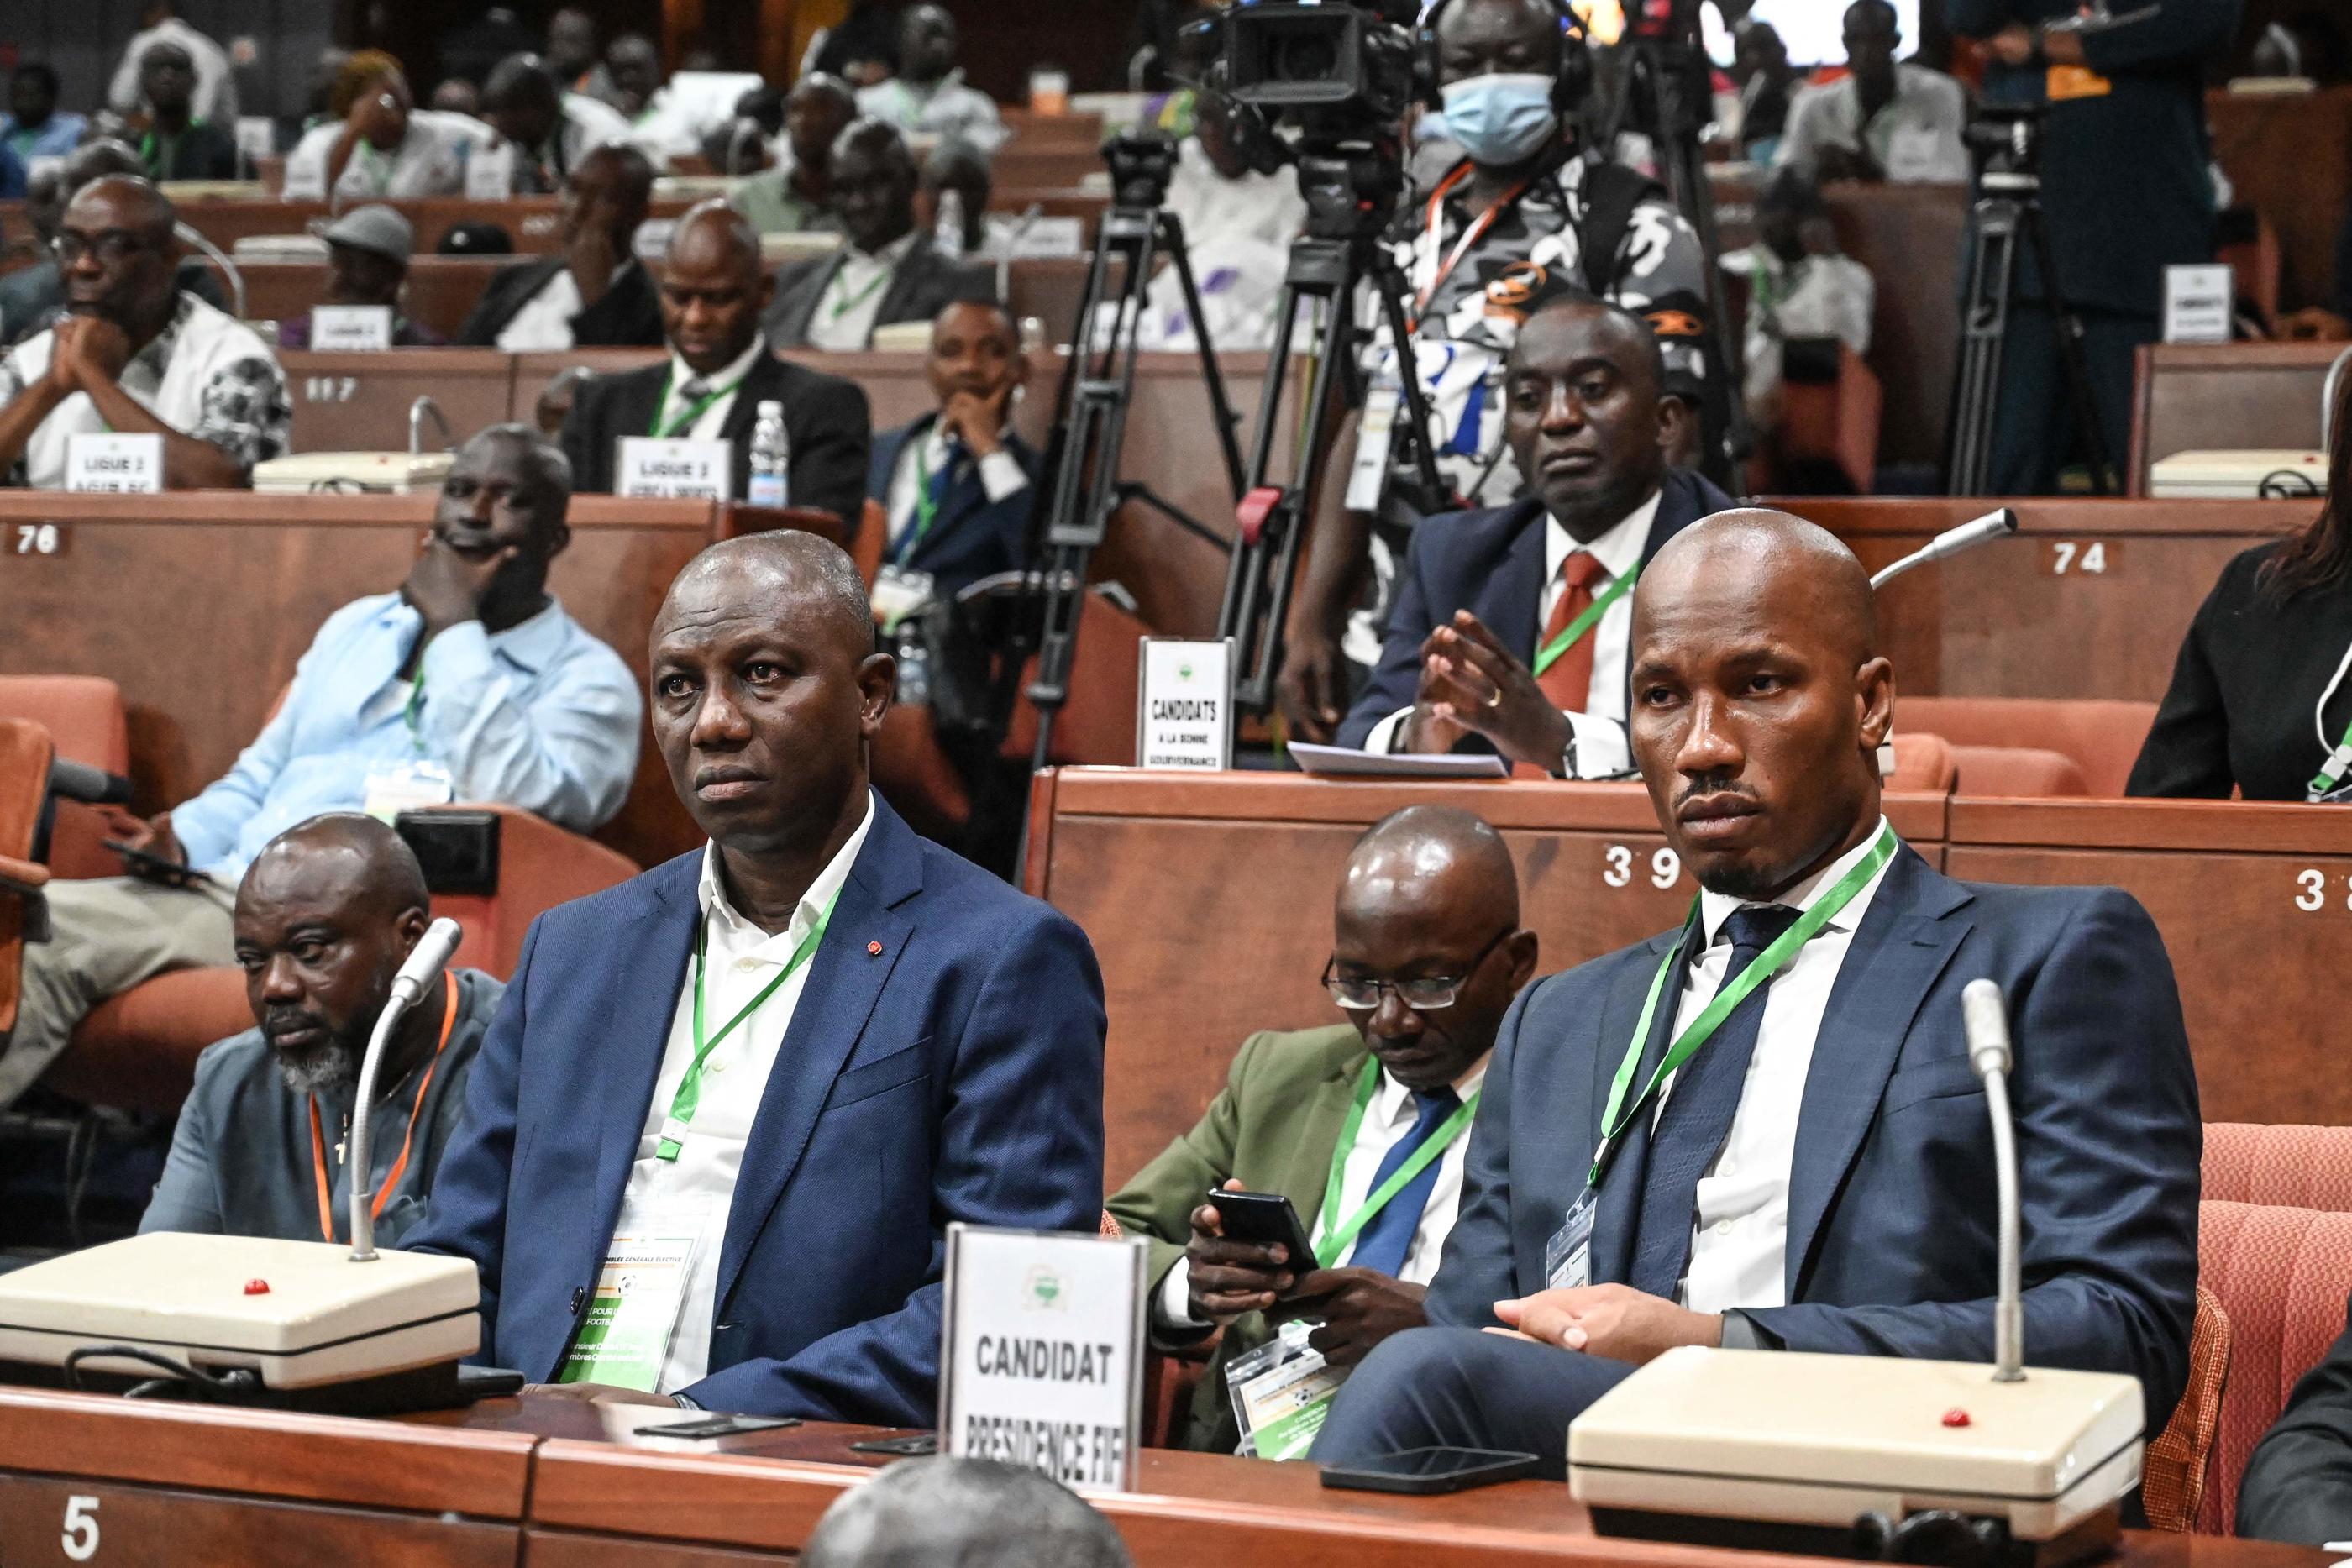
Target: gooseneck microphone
{"type": "Point", "coordinates": [1984, 1017]}
{"type": "Point", "coordinates": [1997, 524]}
{"type": "Point", "coordinates": [425, 961]}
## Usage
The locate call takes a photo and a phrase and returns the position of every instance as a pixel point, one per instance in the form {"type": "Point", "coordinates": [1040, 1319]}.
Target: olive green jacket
{"type": "Point", "coordinates": [1272, 1127]}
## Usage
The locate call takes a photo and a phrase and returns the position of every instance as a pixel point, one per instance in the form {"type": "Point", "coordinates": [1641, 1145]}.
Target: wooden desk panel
{"type": "Point", "coordinates": [2207, 397]}
{"type": "Point", "coordinates": [359, 403]}
{"type": "Point", "coordinates": [2254, 901]}
{"type": "Point", "coordinates": [166, 1528]}
{"type": "Point", "coordinates": [531, 222]}
{"type": "Point", "coordinates": [1208, 900]}
{"type": "Point", "coordinates": [199, 605]}
{"type": "Point", "coordinates": [2004, 620]}
{"type": "Point", "coordinates": [442, 290]}
{"type": "Point", "coordinates": [2289, 157]}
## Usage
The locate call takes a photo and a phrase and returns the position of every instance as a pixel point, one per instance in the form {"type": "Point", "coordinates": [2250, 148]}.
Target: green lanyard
{"type": "Point", "coordinates": [171, 146]}
{"type": "Point", "coordinates": [927, 507]}
{"type": "Point", "coordinates": [1548, 655]}
{"type": "Point", "coordinates": [686, 421]}
{"type": "Point", "coordinates": [842, 307]}
{"type": "Point", "coordinates": [378, 173]}
{"type": "Point", "coordinates": [1335, 1243]}
{"type": "Point", "coordinates": [2324, 782]}
{"type": "Point", "coordinates": [1619, 1115]}
{"type": "Point", "coordinates": [690, 1088]}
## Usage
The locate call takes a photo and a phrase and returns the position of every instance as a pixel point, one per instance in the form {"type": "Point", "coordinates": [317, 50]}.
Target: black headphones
{"type": "Point", "coordinates": [1571, 79]}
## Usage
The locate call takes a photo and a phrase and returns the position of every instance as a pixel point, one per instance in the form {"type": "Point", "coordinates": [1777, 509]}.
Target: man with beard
{"type": "Point", "coordinates": [326, 915]}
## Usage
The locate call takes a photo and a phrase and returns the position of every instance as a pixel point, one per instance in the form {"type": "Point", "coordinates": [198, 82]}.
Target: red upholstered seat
{"type": "Point", "coordinates": [85, 718]}
{"type": "Point", "coordinates": [1922, 764]}
{"type": "Point", "coordinates": [2103, 737]}
{"type": "Point", "coordinates": [2015, 771]}
{"type": "Point", "coordinates": [2301, 1167]}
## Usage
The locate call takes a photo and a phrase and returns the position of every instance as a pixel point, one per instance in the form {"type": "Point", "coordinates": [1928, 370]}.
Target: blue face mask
{"type": "Point", "coordinates": [1501, 119]}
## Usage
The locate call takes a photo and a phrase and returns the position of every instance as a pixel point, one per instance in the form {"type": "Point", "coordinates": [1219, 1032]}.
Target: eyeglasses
{"type": "Point", "coordinates": [1424, 995]}
{"type": "Point", "coordinates": [111, 245]}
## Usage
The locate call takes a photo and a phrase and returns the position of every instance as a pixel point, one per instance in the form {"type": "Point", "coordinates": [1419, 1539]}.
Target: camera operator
{"type": "Point", "coordinates": [1505, 199]}
{"type": "Point", "coordinates": [2125, 194]}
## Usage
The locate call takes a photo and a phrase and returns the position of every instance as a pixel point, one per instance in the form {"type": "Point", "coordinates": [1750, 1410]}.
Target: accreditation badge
{"type": "Point", "coordinates": [1281, 1392]}
{"type": "Point", "coordinates": [1568, 1255]}
{"type": "Point", "coordinates": [624, 1338]}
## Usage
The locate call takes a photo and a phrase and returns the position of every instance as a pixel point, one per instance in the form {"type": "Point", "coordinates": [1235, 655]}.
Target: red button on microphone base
{"type": "Point", "coordinates": [1956, 1418]}
{"type": "Point", "coordinates": [257, 1287]}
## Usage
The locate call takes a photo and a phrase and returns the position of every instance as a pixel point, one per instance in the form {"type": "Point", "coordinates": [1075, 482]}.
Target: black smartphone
{"type": "Point", "coordinates": [1425, 1472]}
{"type": "Point", "coordinates": [913, 1446]}
{"type": "Point", "coordinates": [1266, 1219]}
{"type": "Point", "coordinates": [170, 872]}
{"type": "Point", "coordinates": [719, 1426]}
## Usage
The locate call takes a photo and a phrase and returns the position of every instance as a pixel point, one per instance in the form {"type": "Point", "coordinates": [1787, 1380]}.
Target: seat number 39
{"type": "Point", "coordinates": [1617, 867]}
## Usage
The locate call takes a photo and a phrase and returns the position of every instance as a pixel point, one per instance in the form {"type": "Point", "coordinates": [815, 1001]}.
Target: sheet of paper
{"type": "Point", "coordinates": [1346, 762]}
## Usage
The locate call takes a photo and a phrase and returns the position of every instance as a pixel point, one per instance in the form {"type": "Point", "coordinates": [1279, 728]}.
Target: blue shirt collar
{"type": "Point", "coordinates": [529, 645]}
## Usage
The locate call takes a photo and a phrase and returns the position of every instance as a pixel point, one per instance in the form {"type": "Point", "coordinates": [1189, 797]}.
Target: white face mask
{"type": "Point", "coordinates": [1501, 119]}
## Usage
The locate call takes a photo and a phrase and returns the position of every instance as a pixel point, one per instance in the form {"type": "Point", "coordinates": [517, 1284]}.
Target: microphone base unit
{"type": "Point", "coordinates": [297, 1324]}
{"type": "Point", "coordinates": [1701, 1445]}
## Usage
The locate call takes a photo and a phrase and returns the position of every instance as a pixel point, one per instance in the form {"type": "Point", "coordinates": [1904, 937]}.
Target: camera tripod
{"type": "Point", "coordinates": [2007, 215]}
{"type": "Point", "coordinates": [1350, 198]}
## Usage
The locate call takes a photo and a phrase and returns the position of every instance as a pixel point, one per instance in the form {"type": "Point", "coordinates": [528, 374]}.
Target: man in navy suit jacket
{"type": "Point", "coordinates": [1820, 1176]}
{"type": "Point", "coordinates": [919, 1044]}
{"type": "Point", "coordinates": [957, 487]}
{"type": "Point", "coordinates": [1586, 417]}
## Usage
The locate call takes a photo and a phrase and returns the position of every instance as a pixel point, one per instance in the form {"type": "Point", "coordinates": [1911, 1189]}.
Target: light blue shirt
{"type": "Point", "coordinates": [542, 716]}
{"type": "Point", "coordinates": [59, 135]}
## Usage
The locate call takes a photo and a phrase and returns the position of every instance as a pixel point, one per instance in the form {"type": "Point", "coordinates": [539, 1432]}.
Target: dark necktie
{"type": "Point", "coordinates": [1383, 1243]}
{"type": "Point", "coordinates": [1691, 1130]}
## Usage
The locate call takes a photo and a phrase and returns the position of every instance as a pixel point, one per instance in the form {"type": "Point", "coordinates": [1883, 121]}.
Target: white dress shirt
{"type": "Point", "coordinates": [1916, 136]}
{"type": "Point", "coordinates": [713, 419]}
{"type": "Point", "coordinates": [1740, 1235]}
{"type": "Point", "coordinates": [1000, 475]}
{"type": "Point", "coordinates": [1601, 748]}
{"type": "Point", "coordinates": [1389, 1117]}
{"type": "Point", "coordinates": [738, 959]}
{"type": "Point", "coordinates": [844, 317]}
{"type": "Point", "coordinates": [544, 322]}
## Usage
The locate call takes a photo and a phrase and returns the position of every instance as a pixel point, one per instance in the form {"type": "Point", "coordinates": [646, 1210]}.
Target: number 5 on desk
{"type": "Point", "coordinates": [79, 1541]}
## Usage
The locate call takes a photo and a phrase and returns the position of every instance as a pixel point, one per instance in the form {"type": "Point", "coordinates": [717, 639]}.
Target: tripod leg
{"type": "Point", "coordinates": [1984, 330]}
{"type": "Point", "coordinates": [1171, 237]}
{"type": "Point", "coordinates": [2073, 359]}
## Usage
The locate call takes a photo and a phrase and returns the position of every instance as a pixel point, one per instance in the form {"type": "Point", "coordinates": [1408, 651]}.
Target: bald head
{"type": "Point", "coordinates": [345, 853]}
{"type": "Point", "coordinates": [94, 159]}
{"type": "Point", "coordinates": [1759, 699]}
{"type": "Point", "coordinates": [1420, 856]}
{"type": "Point", "coordinates": [713, 287]}
{"type": "Point", "coordinates": [787, 574]}
{"type": "Point", "coordinates": [118, 256]}
{"type": "Point", "coordinates": [975, 1513]}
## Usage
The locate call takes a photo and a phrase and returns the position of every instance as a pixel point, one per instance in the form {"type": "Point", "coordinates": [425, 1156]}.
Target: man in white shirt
{"type": "Point", "coordinates": [1217, 196]}
{"type": "Point", "coordinates": [1510, 625]}
{"type": "Point", "coordinates": [136, 355]}
{"type": "Point", "coordinates": [552, 131]}
{"type": "Point", "coordinates": [1882, 121]}
{"type": "Point", "coordinates": [1799, 286]}
{"type": "Point", "coordinates": [377, 144]}
{"type": "Point", "coordinates": [1427, 953]}
{"type": "Point", "coordinates": [929, 94]}
{"type": "Point", "coordinates": [215, 95]}
{"type": "Point", "coordinates": [1794, 1155]}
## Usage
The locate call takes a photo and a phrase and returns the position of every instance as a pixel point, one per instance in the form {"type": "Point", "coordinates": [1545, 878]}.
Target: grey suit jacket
{"type": "Point", "coordinates": [927, 282]}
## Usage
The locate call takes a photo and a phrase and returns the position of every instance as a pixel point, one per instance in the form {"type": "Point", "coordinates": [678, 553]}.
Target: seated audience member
{"type": "Point", "coordinates": [593, 293]}
{"type": "Point", "coordinates": [1799, 286]}
{"type": "Point", "coordinates": [368, 250]}
{"type": "Point", "coordinates": [469, 682]}
{"type": "Point", "coordinates": [176, 145]}
{"type": "Point", "coordinates": [1217, 196]}
{"type": "Point", "coordinates": [2298, 1484]}
{"type": "Point", "coordinates": [1507, 199]}
{"type": "Point", "coordinates": [959, 169]}
{"type": "Point", "coordinates": [30, 294]}
{"type": "Point", "coordinates": [1882, 121]}
{"type": "Point", "coordinates": [889, 270]}
{"type": "Point", "coordinates": [718, 372]}
{"type": "Point", "coordinates": [215, 95]}
{"type": "Point", "coordinates": [968, 1513]}
{"type": "Point", "coordinates": [928, 94]}
{"type": "Point", "coordinates": [955, 485]}
{"type": "Point", "coordinates": [552, 131]}
{"type": "Point", "coordinates": [136, 354]}
{"type": "Point", "coordinates": [325, 915]}
{"type": "Point", "coordinates": [1427, 953]}
{"type": "Point", "coordinates": [456, 95]}
{"type": "Point", "coordinates": [739, 144]}
{"type": "Point", "coordinates": [634, 62]}
{"type": "Point", "coordinates": [1760, 65]}
{"type": "Point", "coordinates": [2259, 703]}
{"type": "Point", "coordinates": [376, 143]}
{"type": "Point", "coordinates": [863, 48]}
{"type": "Point", "coordinates": [1816, 1180]}
{"type": "Point", "coordinates": [34, 127]}
{"type": "Point", "coordinates": [918, 1044]}
{"type": "Point", "coordinates": [572, 54]}
{"type": "Point", "coordinates": [1512, 625]}
{"type": "Point", "coordinates": [793, 195]}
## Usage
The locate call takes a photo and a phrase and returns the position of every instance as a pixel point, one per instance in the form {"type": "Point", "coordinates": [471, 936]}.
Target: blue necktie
{"type": "Point", "coordinates": [1384, 1241]}
{"type": "Point", "coordinates": [1698, 1118]}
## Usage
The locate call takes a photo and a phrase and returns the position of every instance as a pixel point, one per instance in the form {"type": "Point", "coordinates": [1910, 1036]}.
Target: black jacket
{"type": "Point", "coordinates": [972, 536]}
{"type": "Point", "coordinates": [825, 420]}
{"type": "Point", "coordinates": [2298, 1485]}
{"type": "Point", "coordinates": [926, 283]}
{"type": "Point", "coordinates": [626, 316]}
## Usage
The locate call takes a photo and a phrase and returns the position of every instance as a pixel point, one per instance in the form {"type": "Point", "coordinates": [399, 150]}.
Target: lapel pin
{"type": "Point", "coordinates": [874, 949]}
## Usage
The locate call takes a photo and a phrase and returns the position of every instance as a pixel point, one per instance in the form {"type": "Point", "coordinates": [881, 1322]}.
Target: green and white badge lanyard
{"type": "Point", "coordinates": [842, 307]}
{"type": "Point", "coordinates": [926, 506]}
{"type": "Point", "coordinates": [1620, 1115]}
{"type": "Point", "coordinates": [686, 421]}
{"type": "Point", "coordinates": [1548, 655]}
{"type": "Point", "coordinates": [2339, 761]}
{"type": "Point", "coordinates": [1334, 1243]}
{"type": "Point", "coordinates": [682, 1104]}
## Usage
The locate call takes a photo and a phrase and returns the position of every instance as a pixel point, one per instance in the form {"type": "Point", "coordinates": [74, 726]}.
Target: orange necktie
{"type": "Point", "coordinates": [1568, 682]}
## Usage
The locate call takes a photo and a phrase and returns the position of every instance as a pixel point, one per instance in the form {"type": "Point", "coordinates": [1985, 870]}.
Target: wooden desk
{"type": "Point", "coordinates": [2205, 397]}
{"type": "Point", "coordinates": [442, 290]}
{"type": "Point", "coordinates": [2029, 617]}
{"type": "Point", "coordinates": [2289, 158]}
{"type": "Point", "coordinates": [1208, 898]}
{"type": "Point", "coordinates": [171, 1483]}
{"type": "Point", "coordinates": [2255, 903]}
{"type": "Point", "coordinates": [531, 222]}
{"type": "Point", "coordinates": [359, 402]}
{"type": "Point", "coordinates": [198, 604]}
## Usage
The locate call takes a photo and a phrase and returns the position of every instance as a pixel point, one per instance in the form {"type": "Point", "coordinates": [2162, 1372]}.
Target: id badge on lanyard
{"type": "Point", "coordinates": [624, 1338]}
{"type": "Point", "coordinates": [1568, 1255]}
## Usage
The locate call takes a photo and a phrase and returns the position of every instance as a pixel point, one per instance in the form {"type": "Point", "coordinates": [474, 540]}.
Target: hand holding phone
{"type": "Point", "coordinates": [1247, 1249]}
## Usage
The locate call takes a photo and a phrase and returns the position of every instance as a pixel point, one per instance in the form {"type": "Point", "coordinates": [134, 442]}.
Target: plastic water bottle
{"type": "Point", "coordinates": [946, 232]}
{"type": "Point", "coordinates": [771, 458]}
{"type": "Point", "coordinates": [914, 669]}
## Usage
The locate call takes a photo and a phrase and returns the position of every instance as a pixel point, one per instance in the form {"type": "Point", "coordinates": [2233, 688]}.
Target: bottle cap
{"type": "Point", "coordinates": [769, 405]}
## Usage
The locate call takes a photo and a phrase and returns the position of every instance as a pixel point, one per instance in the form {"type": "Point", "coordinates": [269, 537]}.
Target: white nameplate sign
{"type": "Point", "coordinates": [2197, 304]}
{"type": "Point", "coordinates": [350, 328]}
{"type": "Point", "coordinates": [1041, 1363]}
{"type": "Point", "coordinates": [1184, 711]}
{"type": "Point", "coordinates": [490, 173]}
{"type": "Point", "coordinates": [114, 464]}
{"type": "Point", "coordinates": [659, 470]}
